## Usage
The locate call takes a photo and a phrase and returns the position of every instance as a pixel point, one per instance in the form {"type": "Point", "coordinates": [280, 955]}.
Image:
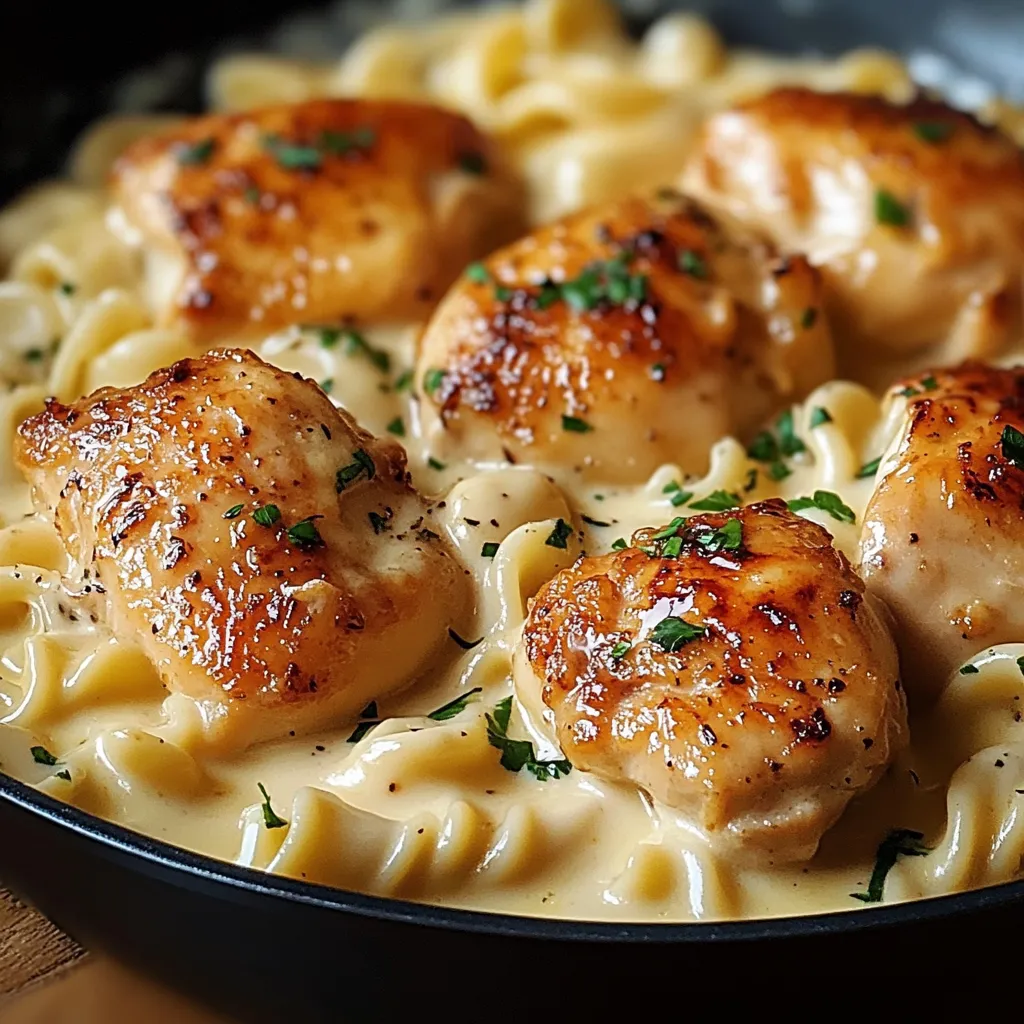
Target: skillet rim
{"type": "Point", "coordinates": [148, 851]}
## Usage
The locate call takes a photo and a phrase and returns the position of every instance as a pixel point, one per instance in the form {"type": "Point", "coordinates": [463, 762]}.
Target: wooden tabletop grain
{"type": "Point", "coordinates": [45, 978]}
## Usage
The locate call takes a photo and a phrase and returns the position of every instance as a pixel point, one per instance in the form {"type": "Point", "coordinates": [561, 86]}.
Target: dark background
{"type": "Point", "coordinates": [60, 61]}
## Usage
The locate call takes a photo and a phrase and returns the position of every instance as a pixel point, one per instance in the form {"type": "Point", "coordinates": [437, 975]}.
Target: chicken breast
{"type": "Point", "coordinates": [619, 339]}
{"type": "Point", "coordinates": [730, 664]}
{"type": "Point", "coordinates": [269, 555]}
{"type": "Point", "coordinates": [914, 213]}
{"type": "Point", "coordinates": [313, 212]}
{"type": "Point", "coordinates": [940, 531]}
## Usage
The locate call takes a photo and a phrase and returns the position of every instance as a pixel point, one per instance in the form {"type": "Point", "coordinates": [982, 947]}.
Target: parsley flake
{"type": "Point", "coordinates": [789, 443]}
{"type": "Point", "coordinates": [396, 427]}
{"type": "Point", "coordinates": [519, 754]}
{"type": "Point", "coordinates": [356, 344]}
{"type": "Point", "coordinates": [673, 633]}
{"type": "Point", "coordinates": [559, 536]}
{"type": "Point", "coordinates": [478, 273]}
{"type": "Point", "coordinates": [197, 153]}
{"type": "Point", "coordinates": [361, 464]}
{"type": "Point", "coordinates": [270, 819]}
{"type": "Point", "coordinates": [473, 163]}
{"type": "Point", "coordinates": [826, 501]}
{"type": "Point", "coordinates": [454, 707]}
{"type": "Point", "coordinates": [368, 718]}
{"type": "Point", "coordinates": [304, 533]}
{"type": "Point", "coordinates": [404, 380]}
{"type": "Point", "coordinates": [933, 132]}
{"type": "Point", "coordinates": [692, 263]}
{"type": "Point", "coordinates": [466, 645]}
{"type": "Point", "coordinates": [590, 521]}
{"type": "Point", "coordinates": [292, 157]}
{"type": "Point", "coordinates": [68, 288]}
{"type": "Point", "coordinates": [969, 670]}
{"type": "Point", "coordinates": [727, 537]}
{"type": "Point", "coordinates": [1020, 665]}
{"type": "Point", "coordinates": [621, 649]}
{"type": "Point", "coordinates": [65, 775]}
{"type": "Point", "coordinates": [432, 380]}
{"type": "Point", "coordinates": [899, 842]}
{"type": "Point", "coordinates": [819, 416]}
{"type": "Point", "coordinates": [379, 522]}
{"type": "Point", "coordinates": [889, 210]}
{"type": "Point", "coordinates": [234, 512]}
{"type": "Point", "coordinates": [490, 549]}
{"type": "Point", "coordinates": [42, 756]}
{"type": "Point", "coordinates": [266, 515]}
{"type": "Point", "coordinates": [808, 318]}
{"type": "Point", "coordinates": [327, 385]}
{"type": "Point", "coordinates": [435, 464]}
{"type": "Point", "coordinates": [574, 425]}
{"type": "Point", "coordinates": [1012, 441]}
{"type": "Point", "coordinates": [869, 468]}
{"type": "Point", "coordinates": [717, 501]}
{"type": "Point", "coordinates": [619, 544]}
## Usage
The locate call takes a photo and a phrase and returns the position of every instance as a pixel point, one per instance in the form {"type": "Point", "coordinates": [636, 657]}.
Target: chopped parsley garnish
{"type": "Point", "coordinates": [68, 288]}
{"type": "Point", "coordinates": [292, 157]}
{"type": "Point", "coordinates": [251, 195]}
{"type": "Point", "coordinates": [435, 464]}
{"type": "Point", "coordinates": [692, 263]}
{"type": "Point", "coordinates": [717, 501]}
{"type": "Point", "coordinates": [340, 143]}
{"type": "Point", "coordinates": [869, 468]}
{"type": "Point", "coordinates": [899, 842]}
{"type": "Point", "coordinates": [490, 549]}
{"type": "Point", "coordinates": [559, 536]}
{"type": "Point", "coordinates": [727, 537]}
{"type": "Point", "coordinates": [575, 425]}
{"type": "Point", "coordinates": [466, 645]}
{"type": "Point", "coordinates": [657, 372]}
{"type": "Point", "coordinates": [751, 482]}
{"type": "Point", "coordinates": [933, 131]}
{"type": "Point", "coordinates": [826, 501]}
{"type": "Point", "coordinates": [519, 754]}
{"type": "Point", "coordinates": [368, 718]}
{"type": "Point", "coordinates": [304, 533]}
{"type": "Point", "coordinates": [454, 707]}
{"type": "Point", "coordinates": [609, 281]}
{"type": "Point", "coordinates": [42, 756]}
{"type": "Point", "coordinates": [270, 819]}
{"type": "Point", "coordinates": [779, 471]}
{"type": "Point", "coordinates": [473, 163]}
{"type": "Point", "coordinates": [764, 447]}
{"type": "Point", "coordinates": [396, 427]}
{"type": "Point", "coordinates": [808, 318]}
{"type": "Point", "coordinates": [65, 775]}
{"type": "Point", "coordinates": [432, 380]}
{"type": "Point", "coordinates": [33, 355]}
{"type": "Point", "coordinates": [619, 544]}
{"type": "Point", "coordinates": [590, 521]}
{"type": "Point", "coordinates": [378, 522]}
{"type": "Point", "coordinates": [928, 384]}
{"type": "Point", "coordinates": [404, 380]}
{"type": "Point", "coordinates": [197, 153]}
{"type": "Point", "coordinates": [234, 512]}
{"type": "Point", "coordinates": [621, 649]}
{"type": "Point", "coordinates": [679, 496]}
{"type": "Point", "coordinates": [1012, 441]}
{"type": "Point", "coordinates": [673, 633]}
{"type": "Point", "coordinates": [267, 515]}
{"type": "Point", "coordinates": [819, 416]}
{"type": "Point", "coordinates": [355, 343]}
{"type": "Point", "coordinates": [478, 273]}
{"type": "Point", "coordinates": [670, 530]}
{"type": "Point", "coordinates": [361, 464]}
{"type": "Point", "coordinates": [789, 443]}
{"type": "Point", "coordinates": [889, 210]}
{"type": "Point", "coordinates": [969, 670]}
{"type": "Point", "coordinates": [502, 293]}
{"type": "Point", "coordinates": [327, 385]}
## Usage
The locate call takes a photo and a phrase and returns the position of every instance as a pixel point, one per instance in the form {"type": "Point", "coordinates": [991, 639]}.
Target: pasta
{"type": "Point", "coordinates": [418, 800]}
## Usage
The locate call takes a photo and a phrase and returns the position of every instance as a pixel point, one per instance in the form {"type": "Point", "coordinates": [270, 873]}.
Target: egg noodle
{"type": "Point", "coordinates": [411, 802]}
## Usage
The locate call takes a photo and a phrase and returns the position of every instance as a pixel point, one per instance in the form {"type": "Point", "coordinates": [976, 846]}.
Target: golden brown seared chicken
{"type": "Point", "coordinates": [915, 214]}
{"type": "Point", "coordinates": [269, 555]}
{"type": "Point", "coordinates": [732, 665]}
{"type": "Point", "coordinates": [619, 339]}
{"type": "Point", "coordinates": [943, 535]}
{"type": "Point", "coordinates": [313, 212]}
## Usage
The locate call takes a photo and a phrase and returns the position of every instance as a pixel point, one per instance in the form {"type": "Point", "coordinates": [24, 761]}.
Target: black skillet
{"type": "Point", "coordinates": [272, 949]}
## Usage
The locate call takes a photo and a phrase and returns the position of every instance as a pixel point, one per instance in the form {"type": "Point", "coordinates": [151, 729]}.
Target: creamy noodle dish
{"type": "Point", "coordinates": [521, 467]}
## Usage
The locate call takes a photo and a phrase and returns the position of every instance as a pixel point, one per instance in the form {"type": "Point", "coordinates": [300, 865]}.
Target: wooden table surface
{"type": "Point", "coordinates": [45, 978]}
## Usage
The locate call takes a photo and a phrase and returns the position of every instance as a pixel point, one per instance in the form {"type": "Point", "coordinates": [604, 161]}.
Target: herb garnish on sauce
{"type": "Point", "coordinates": [900, 842]}
{"type": "Point", "coordinates": [270, 819]}
{"type": "Point", "coordinates": [519, 754]}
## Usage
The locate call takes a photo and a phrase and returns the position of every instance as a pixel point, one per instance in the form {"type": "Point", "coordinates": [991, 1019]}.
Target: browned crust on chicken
{"type": "Point", "coordinates": [687, 333]}
{"type": "Point", "coordinates": [317, 211]}
{"type": "Point", "coordinates": [943, 532]}
{"type": "Point", "coordinates": [806, 167]}
{"type": "Point", "coordinates": [761, 728]}
{"type": "Point", "coordinates": [154, 490]}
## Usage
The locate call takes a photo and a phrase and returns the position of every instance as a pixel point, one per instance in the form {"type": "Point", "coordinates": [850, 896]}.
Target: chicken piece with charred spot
{"type": "Point", "coordinates": [943, 535]}
{"type": "Point", "coordinates": [619, 339]}
{"type": "Point", "coordinates": [730, 664]}
{"type": "Point", "coordinates": [915, 213]}
{"type": "Point", "coordinates": [313, 212]}
{"type": "Point", "coordinates": [269, 555]}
